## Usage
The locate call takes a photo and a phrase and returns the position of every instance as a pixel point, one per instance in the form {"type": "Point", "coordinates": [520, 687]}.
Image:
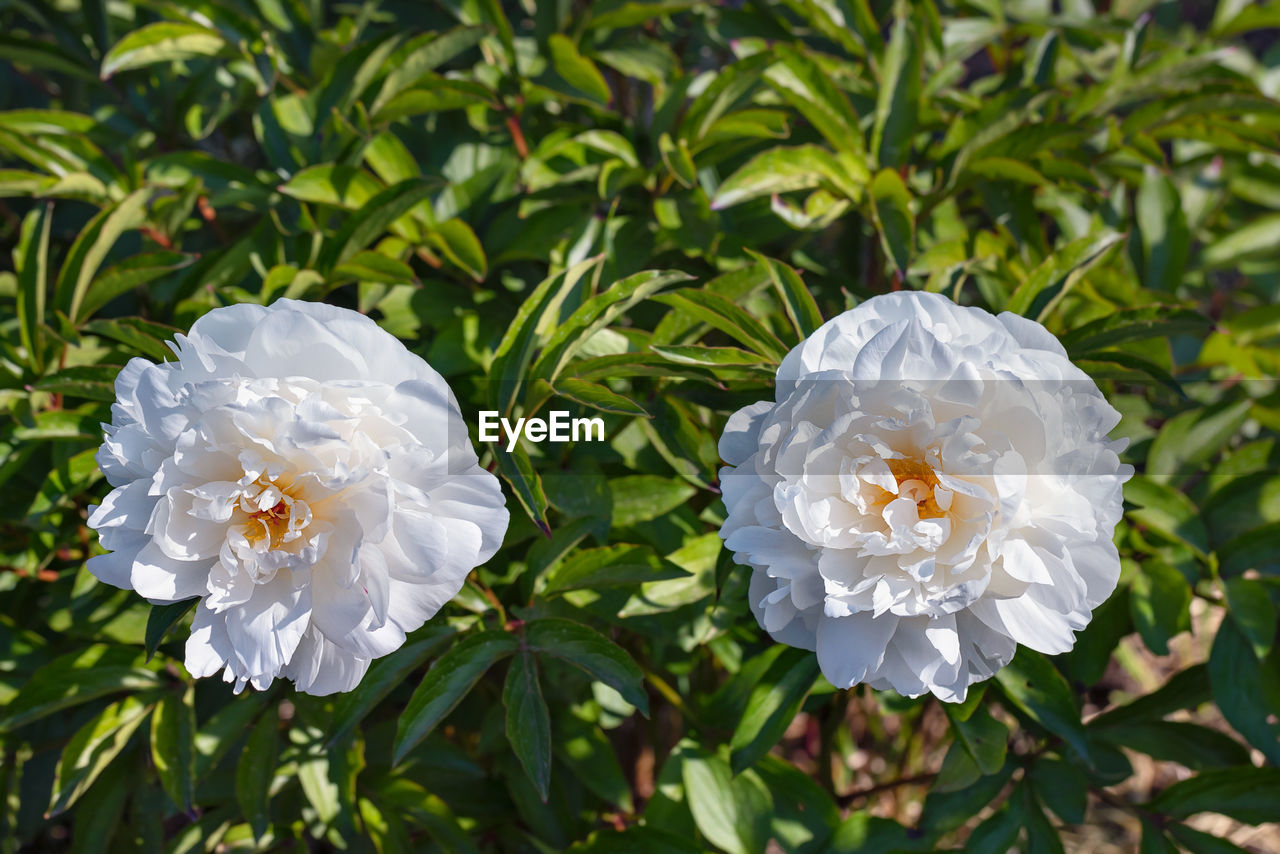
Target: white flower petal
{"type": "Point", "coordinates": [930, 487]}
{"type": "Point", "coordinates": [849, 648]}
{"type": "Point", "coordinates": [305, 475]}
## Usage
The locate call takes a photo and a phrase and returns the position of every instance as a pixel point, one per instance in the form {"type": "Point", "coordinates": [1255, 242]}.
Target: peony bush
{"type": "Point", "coordinates": [935, 347]}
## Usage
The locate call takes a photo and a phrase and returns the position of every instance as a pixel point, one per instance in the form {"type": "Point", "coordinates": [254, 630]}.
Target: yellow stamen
{"type": "Point", "coordinates": [917, 480]}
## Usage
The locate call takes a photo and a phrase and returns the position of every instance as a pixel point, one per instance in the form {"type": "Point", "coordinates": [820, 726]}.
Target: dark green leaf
{"type": "Point", "coordinates": [773, 704]}
{"type": "Point", "coordinates": [255, 771]}
{"type": "Point", "coordinates": [446, 683]}
{"type": "Point", "coordinates": [528, 722]}
{"type": "Point", "coordinates": [1035, 687]}
{"type": "Point", "coordinates": [162, 618]}
{"type": "Point", "coordinates": [591, 651]}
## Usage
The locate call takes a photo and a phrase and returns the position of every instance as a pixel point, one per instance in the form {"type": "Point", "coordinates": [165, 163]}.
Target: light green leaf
{"type": "Point", "coordinates": [899, 96]}
{"type": "Point", "coordinates": [786, 169]}
{"type": "Point", "coordinates": [173, 725]}
{"type": "Point", "coordinates": [93, 748]}
{"type": "Point", "coordinates": [577, 70]}
{"type": "Point", "coordinates": [166, 41]}
{"type": "Point", "coordinates": [33, 283]}
{"type": "Point", "coordinates": [91, 247]}
{"type": "Point", "coordinates": [1057, 273]}
{"type": "Point", "coordinates": [891, 209]}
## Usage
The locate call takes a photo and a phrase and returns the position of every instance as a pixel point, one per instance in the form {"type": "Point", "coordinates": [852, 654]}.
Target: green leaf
{"type": "Point", "coordinates": [446, 683]}
{"type": "Point", "coordinates": [33, 283]}
{"type": "Point", "coordinates": [897, 104]}
{"type": "Point", "coordinates": [597, 313]}
{"type": "Point", "coordinates": [1004, 169]}
{"type": "Point", "coordinates": [1244, 688]}
{"type": "Point", "coordinates": [1253, 611]}
{"type": "Point", "coordinates": [255, 771]}
{"type": "Point", "coordinates": [75, 678]}
{"type": "Point", "coordinates": [540, 313]}
{"type": "Point", "coordinates": [1036, 687]}
{"type": "Point", "coordinates": [517, 469]}
{"type": "Point", "coordinates": [785, 169]}
{"type": "Point", "coordinates": [91, 247]}
{"type": "Point", "coordinates": [461, 246]}
{"type": "Point", "coordinates": [1246, 794]}
{"type": "Point", "coordinates": [24, 50]}
{"type": "Point", "coordinates": [732, 814]}
{"type": "Point", "coordinates": [94, 746]}
{"type": "Point", "coordinates": [173, 725]}
{"type": "Point", "coordinates": [1166, 511]}
{"type": "Point", "coordinates": [528, 722]}
{"type": "Point", "coordinates": [808, 88]}
{"type": "Point", "coordinates": [424, 53]}
{"type": "Point", "coordinates": [891, 210]}
{"type": "Point", "coordinates": [1190, 439]}
{"type": "Point", "coordinates": [374, 218]}
{"type": "Point", "coordinates": [1199, 842]}
{"type": "Point", "coordinates": [577, 70]}
{"type": "Point", "coordinates": [590, 757]}
{"type": "Point", "coordinates": [1134, 324]}
{"type": "Point", "coordinates": [585, 648]}
{"type": "Point", "coordinates": [332, 184]}
{"type": "Point", "coordinates": [983, 737]}
{"type": "Point", "coordinates": [726, 316]}
{"type": "Point", "coordinates": [166, 41]}
{"type": "Point", "coordinates": [1162, 226]}
{"type": "Point", "coordinates": [678, 159]}
{"type": "Point", "coordinates": [95, 822]}
{"type": "Point", "coordinates": [712, 357]}
{"type": "Point", "coordinates": [1057, 273]}
{"type": "Point", "coordinates": [375, 267]}
{"type": "Point", "coordinates": [1194, 746]}
{"type": "Point", "coordinates": [801, 307]}
{"type": "Point", "coordinates": [610, 142]}
{"type": "Point", "coordinates": [223, 731]}
{"type": "Point", "coordinates": [142, 336]}
{"type": "Point", "coordinates": [384, 676]}
{"type": "Point", "coordinates": [130, 274]}
{"type": "Point", "coordinates": [642, 497]}
{"type": "Point", "coordinates": [1256, 239]}
{"type": "Point", "coordinates": [1184, 690]}
{"type": "Point", "coordinates": [1160, 603]}
{"type": "Point", "coordinates": [771, 707]}
{"type": "Point", "coordinates": [597, 396]}
{"type": "Point", "coordinates": [609, 566]}
{"type": "Point", "coordinates": [434, 94]}
{"type": "Point", "coordinates": [162, 618]}
{"type": "Point", "coordinates": [1062, 787]}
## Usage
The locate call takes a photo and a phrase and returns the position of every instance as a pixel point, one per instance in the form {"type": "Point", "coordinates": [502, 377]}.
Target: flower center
{"type": "Point", "coordinates": [271, 525]}
{"type": "Point", "coordinates": [276, 517]}
{"type": "Point", "coordinates": [917, 482]}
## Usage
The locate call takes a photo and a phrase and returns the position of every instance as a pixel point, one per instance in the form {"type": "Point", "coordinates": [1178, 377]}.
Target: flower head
{"type": "Point", "coordinates": [304, 475]}
{"type": "Point", "coordinates": [932, 486]}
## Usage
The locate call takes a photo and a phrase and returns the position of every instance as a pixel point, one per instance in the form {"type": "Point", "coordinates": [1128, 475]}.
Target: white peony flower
{"type": "Point", "coordinates": [307, 477]}
{"type": "Point", "coordinates": [932, 486]}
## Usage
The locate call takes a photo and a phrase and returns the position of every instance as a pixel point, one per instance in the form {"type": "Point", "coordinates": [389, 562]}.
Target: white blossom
{"type": "Point", "coordinates": [931, 487]}
{"type": "Point", "coordinates": [307, 477]}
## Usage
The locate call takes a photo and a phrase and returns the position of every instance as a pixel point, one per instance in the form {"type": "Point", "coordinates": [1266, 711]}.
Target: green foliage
{"type": "Point", "coordinates": [631, 211]}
